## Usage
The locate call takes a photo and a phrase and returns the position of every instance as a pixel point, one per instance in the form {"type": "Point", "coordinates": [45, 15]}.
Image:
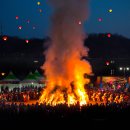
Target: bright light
{"type": "Point", "coordinates": [32, 82]}
{"type": "Point", "coordinates": [107, 63]}
{"type": "Point", "coordinates": [20, 27]}
{"type": "Point", "coordinates": [121, 68]}
{"type": "Point", "coordinates": [38, 3]}
{"type": "Point", "coordinates": [80, 22]}
{"type": "Point", "coordinates": [128, 68]}
{"type": "Point", "coordinates": [2, 74]}
{"type": "Point", "coordinates": [17, 17]}
{"type": "Point", "coordinates": [110, 10]}
{"type": "Point", "coordinates": [27, 41]}
{"type": "Point", "coordinates": [108, 35]}
{"type": "Point", "coordinates": [35, 61]}
{"type": "Point", "coordinates": [5, 38]}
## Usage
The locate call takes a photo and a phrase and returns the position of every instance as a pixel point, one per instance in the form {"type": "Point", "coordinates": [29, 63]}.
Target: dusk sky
{"type": "Point", "coordinates": [116, 22]}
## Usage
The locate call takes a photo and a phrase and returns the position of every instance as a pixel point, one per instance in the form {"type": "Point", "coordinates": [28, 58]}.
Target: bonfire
{"type": "Point", "coordinates": [64, 65]}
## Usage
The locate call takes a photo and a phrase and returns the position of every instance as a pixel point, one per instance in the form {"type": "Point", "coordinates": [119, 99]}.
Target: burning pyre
{"type": "Point", "coordinates": [64, 65]}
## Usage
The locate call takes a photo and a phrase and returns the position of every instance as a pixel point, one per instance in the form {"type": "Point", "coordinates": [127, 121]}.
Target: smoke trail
{"type": "Point", "coordinates": [63, 58]}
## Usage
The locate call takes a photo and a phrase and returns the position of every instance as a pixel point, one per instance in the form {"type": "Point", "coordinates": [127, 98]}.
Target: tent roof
{"type": "Point", "coordinates": [10, 77]}
{"type": "Point", "coordinates": [37, 74]}
{"type": "Point", "coordinates": [30, 76]}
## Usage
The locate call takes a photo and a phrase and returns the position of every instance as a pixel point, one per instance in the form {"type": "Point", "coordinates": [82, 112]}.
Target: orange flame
{"type": "Point", "coordinates": [63, 67]}
{"type": "Point", "coordinates": [62, 91]}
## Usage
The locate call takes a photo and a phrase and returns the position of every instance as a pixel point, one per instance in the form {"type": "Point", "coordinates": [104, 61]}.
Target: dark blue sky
{"type": "Point", "coordinates": [116, 22]}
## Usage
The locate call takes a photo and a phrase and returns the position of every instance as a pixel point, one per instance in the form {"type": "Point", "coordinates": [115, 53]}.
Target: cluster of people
{"type": "Point", "coordinates": [20, 94]}
{"type": "Point", "coordinates": [42, 113]}
{"type": "Point", "coordinates": [115, 86]}
{"type": "Point", "coordinates": [108, 105]}
{"type": "Point", "coordinates": [28, 93]}
{"type": "Point", "coordinates": [107, 96]}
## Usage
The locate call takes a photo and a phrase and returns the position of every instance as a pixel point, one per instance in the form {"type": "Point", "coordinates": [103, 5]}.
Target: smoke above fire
{"type": "Point", "coordinates": [64, 66]}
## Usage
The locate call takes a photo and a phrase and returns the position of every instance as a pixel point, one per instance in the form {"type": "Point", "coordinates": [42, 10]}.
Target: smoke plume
{"type": "Point", "coordinates": [64, 63]}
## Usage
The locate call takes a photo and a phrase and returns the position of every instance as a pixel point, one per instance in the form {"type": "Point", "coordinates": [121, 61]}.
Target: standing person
{"type": "Point", "coordinates": [101, 85]}
{"type": "Point", "coordinates": [127, 87]}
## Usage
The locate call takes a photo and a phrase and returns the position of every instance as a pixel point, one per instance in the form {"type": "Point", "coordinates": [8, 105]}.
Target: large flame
{"type": "Point", "coordinates": [64, 66]}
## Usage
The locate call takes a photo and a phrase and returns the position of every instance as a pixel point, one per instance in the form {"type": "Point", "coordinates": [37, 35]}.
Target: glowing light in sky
{"type": "Point", "coordinates": [17, 17]}
{"type": "Point", "coordinates": [107, 63]}
{"type": "Point", "coordinates": [38, 3]}
{"type": "Point", "coordinates": [108, 35]}
{"type": "Point", "coordinates": [80, 22]}
{"type": "Point", "coordinates": [5, 38]}
{"type": "Point", "coordinates": [100, 19]}
{"type": "Point", "coordinates": [2, 73]}
{"type": "Point", "coordinates": [110, 10]}
{"type": "Point", "coordinates": [27, 41]}
{"type": "Point", "coordinates": [20, 27]}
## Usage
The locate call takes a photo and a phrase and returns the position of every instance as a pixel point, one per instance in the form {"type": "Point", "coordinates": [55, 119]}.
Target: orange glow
{"type": "Point", "coordinates": [2, 74]}
{"type": "Point", "coordinates": [61, 90]}
{"type": "Point", "coordinates": [5, 38]}
{"type": "Point", "coordinates": [64, 65]}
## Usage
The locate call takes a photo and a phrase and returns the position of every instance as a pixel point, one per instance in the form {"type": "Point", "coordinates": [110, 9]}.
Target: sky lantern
{"type": "Point", "coordinates": [17, 17]}
{"type": "Point", "coordinates": [109, 35]}
{"type": "Point", "coordinates": [5, 38]}
{"type": "Point", "coordinates": [80, 22]}
{"type": "Point", "coordinates": [38, 3]}
{"type": "Point", "coordinates": [27, 41]}
{"type": "Point", "coordinates": [3, 74]}
{"type": "Point", "coordinates": [19, 27]}
{"type": "Point", "coordinates": [100, 19]}
{"type": "Point", "coordinates": [107, 63]}
{"type": "Point", "coordinates": [110, 10]}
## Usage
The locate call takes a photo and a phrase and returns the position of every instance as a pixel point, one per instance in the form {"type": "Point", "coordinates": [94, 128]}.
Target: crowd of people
{"type": "Point", "coordinates": [20, 94]}
{"type": "Point", "coordinates": [28, 93]}
{"type": "Point", "coordinates": [115, 86]}
{"type": "Point", "coordinates": [108, 92]}
{"type": "Point", "coordinates": [42, 114]}
{"type": "Point", "coordinates": [99, 96]}
{"type": "Point", "coordinates": [108, 106]}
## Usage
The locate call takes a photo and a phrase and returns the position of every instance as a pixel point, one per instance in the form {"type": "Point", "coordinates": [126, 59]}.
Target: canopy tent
{"type": "Point", "coordinates": [11, 86]}
{"type": "Point", "coordinates": [10, 78]}
{"type": "Point", "coordinates": [37, 75]}
{"type": "Point", "coordinates": [31, 78]}
{"type": "Point", "coordinates": [11, 81]}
